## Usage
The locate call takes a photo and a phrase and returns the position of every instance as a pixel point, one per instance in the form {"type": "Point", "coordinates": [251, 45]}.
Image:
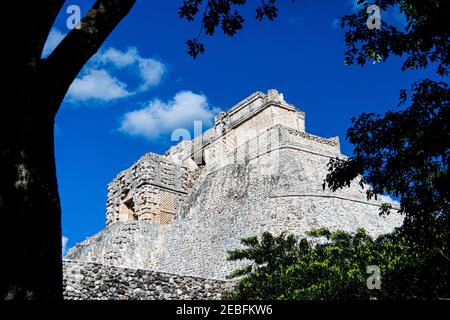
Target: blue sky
{"type": "Point", "coordinates": [141, 85]}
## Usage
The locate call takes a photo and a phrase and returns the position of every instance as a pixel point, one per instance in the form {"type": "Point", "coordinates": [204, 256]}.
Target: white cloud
{"type": "Point", "coordinates": [116, 57]}
{"type": "Point", "coordinates": [98, 85]}
{"type": "Point", "coordinates": [150, 71]}
{"type": "Point", "coordinates": [64, 241]}
{"type": "Point", "coordinates": [160, 117]}
{"type": "Point", "coordinates": [54, 38]}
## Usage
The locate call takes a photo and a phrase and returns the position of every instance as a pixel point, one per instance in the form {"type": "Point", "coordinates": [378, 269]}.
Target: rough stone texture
{"type": "Point", "coordinates": [93, 281]}
{"type": "Point", "coordinates": [128, 244]}
{"type": "Point", "coordinates": [152, 189]}
{"type": "Point", "coordinates": [256, 170]}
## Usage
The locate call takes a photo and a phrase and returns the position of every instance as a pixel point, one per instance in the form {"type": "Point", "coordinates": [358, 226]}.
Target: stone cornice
{"type": "Point", "coordinates": [241, 104]}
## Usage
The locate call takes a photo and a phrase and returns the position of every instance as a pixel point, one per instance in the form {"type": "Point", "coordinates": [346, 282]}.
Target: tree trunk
{"type": "Point", "coordinates": [30, 213]}
{"type": "Point", "coordinates": [30, 241]}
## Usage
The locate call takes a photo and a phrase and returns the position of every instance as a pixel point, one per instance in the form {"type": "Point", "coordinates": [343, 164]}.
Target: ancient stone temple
{"type": "Point", "coordinates": [177, 215]}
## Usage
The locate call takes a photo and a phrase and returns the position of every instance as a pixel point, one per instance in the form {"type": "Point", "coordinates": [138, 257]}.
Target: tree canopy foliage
{"type": "Point", "coordinates": [404, 152]}
{"type": "Point", "coordinates": [423, 40]}
{"type": "Point", "coordinates": [334, 266]}
{"type": "Point", "coordinates": [223, 14]}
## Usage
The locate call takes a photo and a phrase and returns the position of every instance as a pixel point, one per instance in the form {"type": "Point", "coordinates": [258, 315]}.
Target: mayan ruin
{"type": "Point", "coordinates": [173, 217]}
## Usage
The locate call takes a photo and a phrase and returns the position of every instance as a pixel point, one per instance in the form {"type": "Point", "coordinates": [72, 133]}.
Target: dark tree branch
{"type": "Point", "coordinates": [31, 28]}
{"type": "Point", "coordinates": [74, 51]}
{"type": "Point", "coordinates": [47, 16]}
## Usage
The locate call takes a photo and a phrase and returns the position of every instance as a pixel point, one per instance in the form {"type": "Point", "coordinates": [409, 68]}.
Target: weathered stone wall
{"type": "Point", "coordinates": [152, 189]}
{"type": "Point", "coordinates": [93, 281]}
{"type": "Point", "coordinates": [241, 200]}
{"type": "Point", "coordinates": [277, 187]}
{"type": "Point", "coordinates": [243, 122]}
{"type": "Point", "coordinates": [128, 244]}
{"type": "Point", "coordinates": [275, 138]}
{"type": "Point", "coordinates": [248, 108]}
{"type": "Point", "coordinates": [272, 182]}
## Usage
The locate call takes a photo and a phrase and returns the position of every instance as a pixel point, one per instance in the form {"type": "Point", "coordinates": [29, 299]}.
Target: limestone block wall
{"type": "Point", "coordinates": [152, 189]}
{"type": "Point", "coordinates": [270, 181]}
{"type": "Point", "coordinates": [304, 141]}
{"type": "Point", "coordinates": [246, 106]}
{"type": "Point", "coordinates": [275, 186]}
{"type": "Point", "coordinates": [180, 151]}
{"type": "Point", "coordinates": [241, 200]}
{"type": "Point", "coordinates": [128, 244]}
{"type": "Point", "coordinates": [186, 148]}
{"type": "Point", "coordinates": [276, 137]}
{"type": "Point", "coordinates": [93, 281]}
{"type": "Point", "coordinates": [243, 122]}
{"type": "Point", "coordinates": [262, 117]}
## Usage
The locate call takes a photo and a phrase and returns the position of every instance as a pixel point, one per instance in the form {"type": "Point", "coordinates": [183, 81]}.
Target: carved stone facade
{"type": "Point", "coordinates": [256, 170]}
{"type": "Point", "coordinates": [155, 187]}
{"type": "Point", "coordinates": [152, 189]}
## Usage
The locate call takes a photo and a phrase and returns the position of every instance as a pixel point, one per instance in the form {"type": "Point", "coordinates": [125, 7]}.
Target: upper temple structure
{"type": "Point", "coordinates": [255, 170]}
{"type": "Point", "coordinates": [156, 187]}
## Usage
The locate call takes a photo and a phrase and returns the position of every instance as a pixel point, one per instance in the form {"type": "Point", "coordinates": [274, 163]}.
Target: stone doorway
{"type": "Point", "coordinates": [126, 210]}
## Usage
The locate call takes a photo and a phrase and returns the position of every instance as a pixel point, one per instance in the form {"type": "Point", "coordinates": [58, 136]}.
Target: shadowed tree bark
{"type": "Point", "coordinates": [29, 202]}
